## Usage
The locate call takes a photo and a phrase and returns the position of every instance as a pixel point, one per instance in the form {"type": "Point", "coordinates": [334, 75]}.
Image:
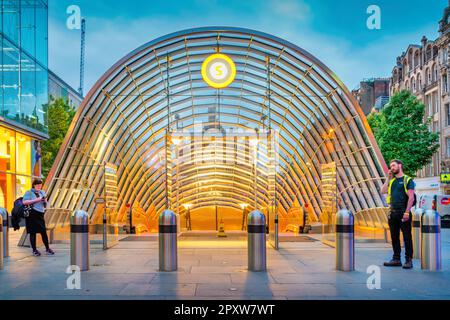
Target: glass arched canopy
{"type": "Point", "coordinates": [156, 96]}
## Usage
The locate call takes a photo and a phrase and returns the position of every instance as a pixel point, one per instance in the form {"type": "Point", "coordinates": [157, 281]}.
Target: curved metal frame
{"type": "Point", "coordinates": [124, 116]}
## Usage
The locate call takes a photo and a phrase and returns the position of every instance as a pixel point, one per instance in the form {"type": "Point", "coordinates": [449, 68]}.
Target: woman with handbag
{"type": "Point", "coordinates": [35, 222]}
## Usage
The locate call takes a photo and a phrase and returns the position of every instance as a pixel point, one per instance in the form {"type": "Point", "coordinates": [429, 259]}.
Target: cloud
{"type": "Point", "coordinates": [290, 9]}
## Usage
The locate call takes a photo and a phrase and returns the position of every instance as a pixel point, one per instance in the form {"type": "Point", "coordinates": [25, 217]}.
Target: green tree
{"type": "Point", "coordinates": [402, 133]}
{"type": "Point", "coordinates": [60, 115]}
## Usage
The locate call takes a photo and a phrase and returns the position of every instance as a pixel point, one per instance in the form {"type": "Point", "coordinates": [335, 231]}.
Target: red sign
{"type": "Point", "coordinates": [128, 205]}
{"type": "Point", "coordinates": [445, 201]}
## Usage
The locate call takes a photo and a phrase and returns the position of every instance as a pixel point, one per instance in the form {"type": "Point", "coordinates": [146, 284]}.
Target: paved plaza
{"type": "Point", "coordinates": [218, 270]}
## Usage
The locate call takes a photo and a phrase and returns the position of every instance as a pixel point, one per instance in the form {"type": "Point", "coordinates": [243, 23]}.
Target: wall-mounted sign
{"type": "Point", "coordinates": [445, 177]}
{"type": "Point", "coordinates": [218, 70]}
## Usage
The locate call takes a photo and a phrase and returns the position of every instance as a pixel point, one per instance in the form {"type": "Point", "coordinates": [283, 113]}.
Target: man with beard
{"type": "Point", "coordinates": [401, 198]}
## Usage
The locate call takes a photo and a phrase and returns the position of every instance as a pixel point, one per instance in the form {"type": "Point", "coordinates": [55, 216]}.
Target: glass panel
{"type": "Point", "coordinates": [23, 148]}
{"type": "Point", "coordinates": [7, 150]}
{"type": "Point", "coordinates": [111, 213]}
{"type": "Point", "coordinates": [27, 29]}
{"type": "Point", "coordinates": [7, 194]}
{"type": "Point", "coordinates": [1, 72]}
{"type": "Point", "coordinates": [329, 196]}
{"type": "Point", "coordinates": [42, 35]}
{"type": "Point", "coordinates": [41, 98]}
{"type": "Point", "coordinates": [28, 92]}
{"type": "Point", "coordinates": [11, 19]}
{"type": "Point", "coordinates": [10, 75]}
{"type": "Point", "coordinates": [23, 184]}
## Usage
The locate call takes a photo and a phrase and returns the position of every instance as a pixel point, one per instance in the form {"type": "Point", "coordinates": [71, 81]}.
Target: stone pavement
{"type": "Point", "coordinates": [217, 270]}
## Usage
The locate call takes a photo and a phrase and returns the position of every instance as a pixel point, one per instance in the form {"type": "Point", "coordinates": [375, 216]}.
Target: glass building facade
{"type": "Point", "coordinates": [23, 93]}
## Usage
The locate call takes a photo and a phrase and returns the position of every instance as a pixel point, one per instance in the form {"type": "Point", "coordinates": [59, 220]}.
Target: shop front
{"type": "Point", "coordinates": [17, 160]}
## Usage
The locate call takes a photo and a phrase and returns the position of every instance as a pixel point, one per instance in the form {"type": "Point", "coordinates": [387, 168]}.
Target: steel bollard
{"type": "Point", "coordinates": [345, 241]}
{"type": "Point", "coordinates": [416, 216]}
{"type": "Point", "coordinates": [168, 256]}
{"type": "Point", "coordinates": [256, 241]}
{"type": "Point", "coordinates": [431, 255]}
{"type": "Point", "coordinates": [79, 239]}
{"type": "Point", "coordinates": [5, 228]}
{"type": "Point", "coordinates": [1, 243]}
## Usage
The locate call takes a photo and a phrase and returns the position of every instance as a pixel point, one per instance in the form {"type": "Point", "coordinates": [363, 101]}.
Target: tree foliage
{"type": "Point", "coordinates": [60, 115]}
{"type": "Point", "coordinates": [402, 133]}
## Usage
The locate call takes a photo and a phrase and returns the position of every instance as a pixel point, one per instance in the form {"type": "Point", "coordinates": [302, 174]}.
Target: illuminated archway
{"type": "Point", "coordinates": [123, 121]}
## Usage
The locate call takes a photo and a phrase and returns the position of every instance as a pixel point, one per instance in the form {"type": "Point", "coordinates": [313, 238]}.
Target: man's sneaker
{"type": "Point", "coordinates": [408, 264]}
{"type": "Point", "coordinates": [393, 263]}
{"type": "Point", "coordinates": [49, 252]}
{"type": "Point", "coordinates": [36, 253]}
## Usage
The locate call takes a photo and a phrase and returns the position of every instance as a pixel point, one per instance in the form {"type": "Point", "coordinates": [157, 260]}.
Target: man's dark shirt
{"type": "Point", "coordinates": [399, 198]}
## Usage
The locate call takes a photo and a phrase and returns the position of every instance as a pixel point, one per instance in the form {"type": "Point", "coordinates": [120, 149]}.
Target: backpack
{"type": "Point", "coordinates": [19, 212]}
{"type": "Point", "coordinates": [406, 180]}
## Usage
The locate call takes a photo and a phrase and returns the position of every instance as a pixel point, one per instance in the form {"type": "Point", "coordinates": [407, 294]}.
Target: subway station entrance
{"type": "Point", "coordinates": [213, 123]}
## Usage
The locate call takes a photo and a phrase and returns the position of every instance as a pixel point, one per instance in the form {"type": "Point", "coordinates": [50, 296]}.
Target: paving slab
{"type": "Point", "coordinates": [301, 270]}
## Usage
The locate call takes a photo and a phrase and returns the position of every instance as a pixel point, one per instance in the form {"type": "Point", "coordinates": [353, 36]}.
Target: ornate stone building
{"type": "Point", "coordinates": [424, 70]}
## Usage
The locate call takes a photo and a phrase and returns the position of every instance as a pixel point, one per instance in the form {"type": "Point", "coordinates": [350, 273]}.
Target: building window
{"type": "Point", "coordinates": [428, 54]}
{"type": "Point", "coordinates": [447, 143]}
{"type": "Point", "coordinates": [435, 103]}
{"type": "Point", "coordinates": [444, 56]}
{"type": "Point", "coordinates": [431, 168]}
{"type": "Point", "coordinates": [444, 84]}
{"type": "Point", "coordinates": [435, 73]}
{"type": "Point", "coordinates": [429, 105]}
{"type": "Point", "coordinates": [447, 112]}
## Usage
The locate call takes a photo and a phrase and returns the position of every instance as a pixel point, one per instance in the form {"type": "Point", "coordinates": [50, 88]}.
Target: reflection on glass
{"type": "Point", "coordinates": [6, 191]}
{"type": "Point", "coordinates": [23, 164]}
{"type": "Point", "coordinates": [7, 150]}
{"type": "Point", "coordinates": [10, 25]}
{"type": "Point", "coordinates": [23, 184]}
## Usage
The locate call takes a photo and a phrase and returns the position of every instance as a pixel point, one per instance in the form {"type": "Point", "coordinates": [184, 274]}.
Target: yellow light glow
{"type": "Point", "coordinates": [176, 140]}
{"type": "Point", "coordinates": [243, 205]}
{"type": "Point", "coordinates": [187, 206]}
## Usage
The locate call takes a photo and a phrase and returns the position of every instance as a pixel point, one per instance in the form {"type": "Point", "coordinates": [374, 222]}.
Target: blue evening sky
{"type": "Point", "coordinates": [333, 30]}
